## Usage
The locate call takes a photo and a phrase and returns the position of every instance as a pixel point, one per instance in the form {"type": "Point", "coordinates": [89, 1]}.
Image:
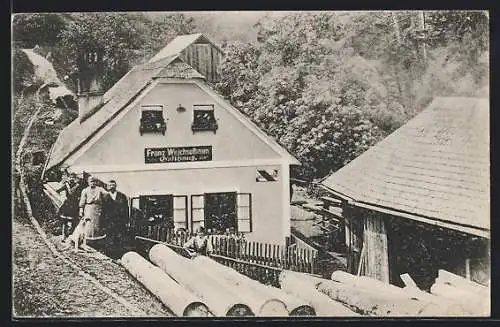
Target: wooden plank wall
{"type": "Point", "coordinates": [205, 58]}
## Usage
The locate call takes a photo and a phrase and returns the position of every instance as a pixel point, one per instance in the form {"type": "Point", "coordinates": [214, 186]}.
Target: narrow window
{"type": "Point", "coordinates": [204, 118]}
{"type": "Point", "coordinates": [152, 120]}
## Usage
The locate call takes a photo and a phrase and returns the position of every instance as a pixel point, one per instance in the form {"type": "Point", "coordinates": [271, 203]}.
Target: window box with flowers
{"type": "Point", "coordinates": [152, 120]}
{"type": "Point", "coordinates": [204, 119]}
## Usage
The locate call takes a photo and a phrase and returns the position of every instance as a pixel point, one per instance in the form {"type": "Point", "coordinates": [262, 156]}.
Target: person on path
{"type": "Point", "coordinates": [91, 206]}
{"type": "Point", "coordinates": [68, 212]}
{"type": "Point", "coordinates": [116, 215]}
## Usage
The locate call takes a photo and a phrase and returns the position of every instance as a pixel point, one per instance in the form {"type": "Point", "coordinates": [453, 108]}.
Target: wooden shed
{"type": "Point", "coordinates": [197, 51]}
{"type": "Point", "coordinates": [419, 200]}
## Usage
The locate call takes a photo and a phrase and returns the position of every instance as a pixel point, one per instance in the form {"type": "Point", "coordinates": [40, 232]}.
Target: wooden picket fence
{"type": "Point", "coordinates": [261, 261]}
{"type": "Point", "coordinates": [257, 260]}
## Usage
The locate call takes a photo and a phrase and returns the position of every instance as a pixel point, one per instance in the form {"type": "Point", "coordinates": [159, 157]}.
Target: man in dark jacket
{"type": "Point", "coordinates": [68, 211]}
{"type": "Point", "coordinates": [116, 215]}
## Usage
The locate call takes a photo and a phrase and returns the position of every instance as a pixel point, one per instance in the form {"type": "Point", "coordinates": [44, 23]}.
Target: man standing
{"type": "Point", "coordinates": [116, 211]}
{"type": "Point", "coordinates": [68, 212]}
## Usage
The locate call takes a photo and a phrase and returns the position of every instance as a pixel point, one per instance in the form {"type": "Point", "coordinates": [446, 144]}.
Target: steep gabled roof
{"type": "Point", "coordinates": [115, 99]}
{"type": "Point", "coordinates": [181, 42]}
{"type": "Point", "coordinates": [435, 166]}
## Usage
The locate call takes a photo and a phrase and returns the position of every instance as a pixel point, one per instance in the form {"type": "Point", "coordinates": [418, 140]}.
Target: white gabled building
{"type": "Point", "coordinates": [164, 134]}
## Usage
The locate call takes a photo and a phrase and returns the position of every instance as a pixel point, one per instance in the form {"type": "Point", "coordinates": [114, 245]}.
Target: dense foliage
{"type": "Point", "coordinates": [125, 39]}
{"type": "Point", "coordinates": [329, 85]}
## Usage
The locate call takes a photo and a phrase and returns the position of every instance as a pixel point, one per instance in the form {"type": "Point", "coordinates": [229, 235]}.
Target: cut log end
{"type": "Point", "coordinates": [197, 309]}
{"type": "Point", "coordinates": [240, 310]}
{"type": "Point", "coordinates": [303, 310]}
{"type": "Point", "coordinates": [273, 308]}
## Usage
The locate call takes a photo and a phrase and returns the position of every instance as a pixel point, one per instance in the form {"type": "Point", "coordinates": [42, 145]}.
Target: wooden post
{"type": "Point", "coordinates": [375, 256]}
{"type": "Point", "coordinates": [467, 269]}
{"type": "Point", "coordinates": [421, 27]}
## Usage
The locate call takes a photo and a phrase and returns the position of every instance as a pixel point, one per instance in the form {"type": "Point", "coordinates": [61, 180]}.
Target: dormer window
{"type": "Point", "coordinates": [204, 118]}
{"type": "Point", "coordinates": [152, 120]}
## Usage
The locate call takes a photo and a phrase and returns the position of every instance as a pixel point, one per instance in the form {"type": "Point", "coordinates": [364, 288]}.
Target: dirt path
{"type": "Point", "coordinates": [46, 286]}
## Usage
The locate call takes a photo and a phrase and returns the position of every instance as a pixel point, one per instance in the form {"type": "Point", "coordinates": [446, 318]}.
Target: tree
{"type": "Point", "coordinates": [239, 80]}
{"type": "Point", "coordinates": [113, 33]}
{"type": "Point", "coordinates": [29, 30]}
{"type": "Point", "coordinates": [23, 71]}
{"type": "Point", "coordinates": [163, 28]}
{"type": "Point", "coordinates": [297, 86]}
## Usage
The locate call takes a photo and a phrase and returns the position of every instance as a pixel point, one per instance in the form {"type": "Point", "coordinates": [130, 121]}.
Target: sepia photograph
{"type": "Point", "coordinates": [248, 164]}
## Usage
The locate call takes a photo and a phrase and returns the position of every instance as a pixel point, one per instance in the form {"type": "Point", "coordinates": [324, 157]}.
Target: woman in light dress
{"type": "Point", "coordinates": [91, 204]}
{"type": "Point", "coordinates": [90, 214]}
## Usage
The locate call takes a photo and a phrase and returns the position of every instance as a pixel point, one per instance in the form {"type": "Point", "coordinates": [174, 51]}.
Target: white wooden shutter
{"type": "Point", "coordinates": [244, 212]}
{"type": "Point", "coordinates": [197, 211]}
{"type": "Point", "coordinates": [134, 210]}
{"type": "Point", "coordinates": [180, 211]}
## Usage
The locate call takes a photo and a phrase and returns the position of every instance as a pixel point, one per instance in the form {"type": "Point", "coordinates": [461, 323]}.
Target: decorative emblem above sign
{"type": "Point", "coordinates": [178, 154]}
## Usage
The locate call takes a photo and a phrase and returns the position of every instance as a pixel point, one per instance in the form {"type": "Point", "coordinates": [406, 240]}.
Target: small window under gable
{"type": "Point", "coordinates": [152, 120]}
{"type": "Point", "coordinates": [204, 118]}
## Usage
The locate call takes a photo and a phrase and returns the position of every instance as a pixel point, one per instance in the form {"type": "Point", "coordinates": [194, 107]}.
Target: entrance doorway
{"type": "Point", "coordinates": [220, 211]}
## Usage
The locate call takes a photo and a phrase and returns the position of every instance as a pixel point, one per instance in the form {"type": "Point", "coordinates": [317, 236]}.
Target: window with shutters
{"type": "Point", "coordinates": [220, 212]}
{"type": "Point", "coordinates": [157, 210]}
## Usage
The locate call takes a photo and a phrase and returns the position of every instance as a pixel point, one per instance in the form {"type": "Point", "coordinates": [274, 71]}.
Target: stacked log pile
{"type": "Point", "coordinates": [204, 287]}
{"type": "Point", "coordinates": [304, 286]}
{"type": "Point", "coordinates": [260, 302]}
{"type": "Point", "coordinates": [267, 300]}
{"type": "Point", "coordinates": [220, 298]}
{"type": "Point", "coordinates": [177, 298]}
{"type": "Point", "coordinates": [370, 297]}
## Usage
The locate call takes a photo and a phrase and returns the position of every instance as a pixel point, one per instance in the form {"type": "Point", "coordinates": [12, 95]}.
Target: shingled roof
{"type": "Point", "coordinates": [436, 166]}
{"type": "Point", "coordinates": [115, 99]}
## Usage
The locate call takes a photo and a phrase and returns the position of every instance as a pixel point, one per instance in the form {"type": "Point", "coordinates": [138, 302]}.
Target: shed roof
{"type": "Point", "coordinates": [115, 99]}
{"type": "Point", "coordinates": [180, 43]}
{"type": "Point", "coordinates": [436, 166]}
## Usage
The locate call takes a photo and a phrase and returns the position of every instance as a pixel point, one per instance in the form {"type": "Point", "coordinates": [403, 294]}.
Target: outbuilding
{"type": "Point", "coordinates": [176, 148]}
{"type": "Point", "coordinates": [419, 200]}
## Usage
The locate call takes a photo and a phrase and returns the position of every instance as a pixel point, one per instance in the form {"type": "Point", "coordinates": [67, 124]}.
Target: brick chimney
{"type": "Point", "coordinates": [90, 94]}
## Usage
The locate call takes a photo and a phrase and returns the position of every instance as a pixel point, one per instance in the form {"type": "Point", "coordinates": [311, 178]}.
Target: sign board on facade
{"type": "Point", "coordinates": [178, 154]}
